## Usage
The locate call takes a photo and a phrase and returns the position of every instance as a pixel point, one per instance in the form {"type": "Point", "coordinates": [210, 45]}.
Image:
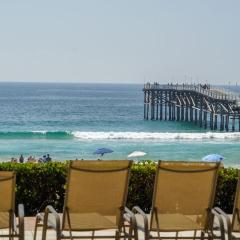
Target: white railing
{"type": "Point", "coordinates": [203, 89]}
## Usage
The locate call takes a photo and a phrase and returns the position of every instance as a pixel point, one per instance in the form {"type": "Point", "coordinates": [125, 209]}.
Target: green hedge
{"type": "Point", "coordinates": [42, 184]}
{"type": "Point", "coordinates": [38, 184]}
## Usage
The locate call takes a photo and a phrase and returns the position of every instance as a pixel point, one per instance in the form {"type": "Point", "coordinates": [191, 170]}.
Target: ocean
{"type": "Point", "coordinates": [70, 121]}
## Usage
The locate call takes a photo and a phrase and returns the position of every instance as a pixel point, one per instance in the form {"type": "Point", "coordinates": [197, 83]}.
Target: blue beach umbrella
{"type": "Point", "coordinates": [102, 151]}
{"type": "Point", "coordinates": [213, 158]}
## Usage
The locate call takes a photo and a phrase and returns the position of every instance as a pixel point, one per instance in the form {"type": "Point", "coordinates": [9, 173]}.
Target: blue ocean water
{"type": "Point", "coordinates": [70, 121]}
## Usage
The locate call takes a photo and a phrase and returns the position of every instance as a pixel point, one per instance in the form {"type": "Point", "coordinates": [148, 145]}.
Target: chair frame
{"type": "Point", "coordinates": [211, 213]}
{"type": "Point", "coordinates": [15, 231]}
{"type": "Point", "coordinates": [236, 214]}
{"type": "Point", "coordinates": [120, 232]}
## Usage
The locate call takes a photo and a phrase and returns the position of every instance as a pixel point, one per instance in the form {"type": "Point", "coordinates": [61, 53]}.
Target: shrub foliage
{"type": "Point", "coordinates": [41, 184]}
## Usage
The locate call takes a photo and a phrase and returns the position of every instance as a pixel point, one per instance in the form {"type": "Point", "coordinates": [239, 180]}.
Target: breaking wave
{"type": "Point", "coordinates": [154, 135]}
{"type": "Point", "coordinates": [81, 135]}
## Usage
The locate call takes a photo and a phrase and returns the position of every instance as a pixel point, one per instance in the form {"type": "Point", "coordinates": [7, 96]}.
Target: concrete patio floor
{"type": "Point", "coordinates": [51, 235]}
{"type": "Point", "coordinates": [29, 224]}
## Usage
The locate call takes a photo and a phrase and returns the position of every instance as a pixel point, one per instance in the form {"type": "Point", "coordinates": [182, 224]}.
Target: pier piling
{"type": "Point", "coordinates": [203, 105]}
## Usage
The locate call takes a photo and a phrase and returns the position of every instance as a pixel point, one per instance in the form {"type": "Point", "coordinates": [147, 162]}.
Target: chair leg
{"type": "Point", "coordinates": [21, 233]}
{"type": "Point", "coordinates": [117, 235]}
{"type": "Point", "coordinates": [10, 230]}
{"type": "Point", "coordinates": [59, 234]}
{"type": "Point", "coordinates": [93, 233]}
{"type": "Point", "coordinates": [194, 234]}
{"type": "Point", "coordinates": [210, 237]}
{"type": "Point", "coordinates": [36, 227]}
{"type": "Point", "coordinates": [147, 235]}
{"type": "Point", "coordinates": [176, 235]}
{"type": "Point", "coordinates": [133, 231]}
{"type": "Point", "coordinates": [44, 230]}
{"type": "Point", "coordinates": [130, 232]}
{"type": "Point", "coordinates": [10, 233]}
{"type": "Point", "coordinates": [124, 231]}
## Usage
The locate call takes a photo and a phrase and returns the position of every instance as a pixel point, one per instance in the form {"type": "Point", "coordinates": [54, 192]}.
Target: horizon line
{"type": "Point", "coordinates": [110, 83]}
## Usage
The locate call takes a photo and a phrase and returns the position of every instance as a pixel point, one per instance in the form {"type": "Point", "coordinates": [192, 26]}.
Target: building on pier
{"type": "Point", "coordinates": [203, 105]}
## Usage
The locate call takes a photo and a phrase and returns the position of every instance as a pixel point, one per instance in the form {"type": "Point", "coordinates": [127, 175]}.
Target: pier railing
{"type": "Point", "coordinates": [202, 89]}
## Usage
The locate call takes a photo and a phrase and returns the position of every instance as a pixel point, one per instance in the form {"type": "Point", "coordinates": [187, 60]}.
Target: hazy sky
{"type": "Point", "coordinates": [120, 41]}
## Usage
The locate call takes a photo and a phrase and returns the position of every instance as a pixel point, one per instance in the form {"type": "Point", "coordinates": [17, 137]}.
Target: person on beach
{"type": "Point", "coordinates": [21, 159]}
{"type": "Point", "coordinates": [31, 159]}
{"type": "Point", "coordinates": [48, 159]}
{"type": "Point", "coordinates": [44, 158]}
{"type": "Point", "coordinates": [13, 160]}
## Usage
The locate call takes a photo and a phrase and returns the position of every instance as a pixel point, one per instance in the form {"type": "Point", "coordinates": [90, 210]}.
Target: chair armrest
{"type": "Point", "coordinates": [226, 218]}
{"type": "Point", "coordinates": [21, 220]}
{"type": "Point", "coordinates": [138, 210]}
{"type": "Point", "coordinates": [129, 216]}
{"type": "Point", "coordinates": [21, 213]}
{"type": "Point", "coordinates": [50, 210]}
{"type": "Point", "coordinates": [220, 222]}
{"type": "Point", "coordinates": [220, 211]}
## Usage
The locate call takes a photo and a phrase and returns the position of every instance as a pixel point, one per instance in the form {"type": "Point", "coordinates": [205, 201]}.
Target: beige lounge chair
{"type": "Point", "coordinates": [8, 223]}
{"type": "Point", "coordinates": [233, 220]}
{"type": "Point", "coordinates": [96, 194]}
{"type": "Point", "coordinates": [182, 202]}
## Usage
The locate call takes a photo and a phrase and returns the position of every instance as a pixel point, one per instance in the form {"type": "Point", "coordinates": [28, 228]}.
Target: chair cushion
{"type": "Point", "coordinates": [90, 221]}
{"type": "Point", "coordinates": [176, 222]}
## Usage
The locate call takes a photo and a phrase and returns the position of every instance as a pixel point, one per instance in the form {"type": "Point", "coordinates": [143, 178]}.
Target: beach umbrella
{"type": "Point", "coordinates": [136, 154]}
{"type": "Point", "coordinates": [213, 158]}
{"type": "Point", "coordinates": [102, 151]}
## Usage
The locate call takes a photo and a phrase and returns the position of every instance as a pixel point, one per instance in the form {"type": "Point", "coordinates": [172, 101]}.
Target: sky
{"type": "Point", "coordinates": [125, 41]}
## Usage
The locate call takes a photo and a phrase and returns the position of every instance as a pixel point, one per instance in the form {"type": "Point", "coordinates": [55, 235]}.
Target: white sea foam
{"type": "Point", "coordinates": [40, 132]}
{"type": "Point", "coordinates": [154, 135]}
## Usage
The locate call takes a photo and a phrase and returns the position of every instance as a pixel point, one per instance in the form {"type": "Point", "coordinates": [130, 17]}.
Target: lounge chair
{"type": "Point", "coordinates": [95, 199]}
{"type": "Point", "coordinates": [233, 220]}
{"type": "Point", "coordinates": [8, 222]}
{"type": "Point", "coordinates": [182, 202]}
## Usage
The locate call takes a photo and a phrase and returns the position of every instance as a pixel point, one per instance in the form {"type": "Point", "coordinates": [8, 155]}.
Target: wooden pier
{"type": "Point", "coordinates": [199, 104]}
